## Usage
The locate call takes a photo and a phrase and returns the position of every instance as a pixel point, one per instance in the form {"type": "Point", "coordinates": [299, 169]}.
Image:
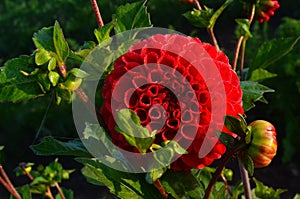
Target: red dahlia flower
{"type": "Point", "coordinates": [265, 9]}
{"type": "Point", "coordinates": [156, 102]}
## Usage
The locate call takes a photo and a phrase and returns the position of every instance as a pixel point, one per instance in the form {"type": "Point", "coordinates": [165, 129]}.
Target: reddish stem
{"type": "Point", "coordinates": [97, 13]}
{"type": "Point", "coordinates": [60, 191]}
{"type": "Point", "coordinates": [218, 173]}
{"type": "Point", "coordinates": [7, 184]}
{"type": "Point", "coordinates": [197, 4]}
{"type": "Point", "coordinates": [161, 189]}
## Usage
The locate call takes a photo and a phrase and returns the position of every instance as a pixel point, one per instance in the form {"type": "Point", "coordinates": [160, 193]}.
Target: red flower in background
{"type": "Point", "coordinates": [155, 102]}
{"type": "Point", "coordinates": [265, 9]}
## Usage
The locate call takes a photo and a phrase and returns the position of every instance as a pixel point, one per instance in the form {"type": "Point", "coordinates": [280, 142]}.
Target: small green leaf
{"type": "Point", "coordinates": [247, 162]}
{"type": "Point", "coordinates": [252, 92]}
{"type": "Point", "coordinates": [60, 43]}
{"type": "Point", "coordinates": [135, 134]}
{"type": "Point", "coordinates": [297, 196]}
{"type": "Point", "coordinates": [261, 74]}
{"type": "Point", "coordinates": [221, 192]}
{"type": "Point", "coordinates": [131, 16]}
{"type": "Point", "coordinates": [263, 191]}
{"type": "Point", "coordinates": [153, 175]}
{"type": "Point", "coordinates": [41, 57]}
{"type": "Point", "coordinates": [1, 148]}
{"type": "Point", "coordinates": [14, 86]}
{"type": "Point", "coordinates": [52, 64]}
{"type": "Point", "coordinates": [199, 18]}
{"type": "Point", "coordinates": [44, 81]}
{"type": "Point", "coordinates": [226, 139]}
{"type": "Point", "coordinates": [235, 125]}
{"type": "Point", "coordinates": [270, 52]}
{"type": "Point", "coordinates": [50, 146]}
{"type": "Point", "coordinates": [243, 28]}
{"type": "Point", "coordinates": [78, 73]}
{"type": "Point", "coordinates": [25, 191]}
{"type": "Point", "coordinates": [103, 33]}
{"type": "Point", "coordinates": [53, 77]}
{"type": "Point", "coordinates": [43, 39]}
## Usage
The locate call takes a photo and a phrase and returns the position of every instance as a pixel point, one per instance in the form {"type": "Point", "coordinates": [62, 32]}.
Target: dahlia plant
{"type": "Point", "coordinates": [163, 112]}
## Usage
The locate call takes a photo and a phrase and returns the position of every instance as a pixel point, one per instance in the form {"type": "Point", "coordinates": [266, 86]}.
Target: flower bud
{"type": "Point", "coordinates": [263, 146]}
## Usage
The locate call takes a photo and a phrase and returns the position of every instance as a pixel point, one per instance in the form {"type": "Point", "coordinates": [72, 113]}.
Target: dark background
{"type": "Point", "coordinates": [19, 123]}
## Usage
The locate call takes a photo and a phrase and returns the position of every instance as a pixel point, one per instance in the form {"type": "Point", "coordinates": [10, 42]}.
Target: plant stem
{"type": "Point", "coordinates": [238, 46]}
{"type": "Point", "coordinates": [197, 4]}
{"type": "Point", "coordinates": [245, 179]}
{"type": "Point", "coordinates": [160, 188]}
{"type": "Point", "coordinates": [242, 57]}
{"type": "Point", "coordinates": [213, 37]}
{"type": "Point", "coordinates": [7, 184]}
{"type": "Point", "coordinates": [237, 52]}
{"type": "Point", "coordinates": [218, 173]}
{"type": "Point", "coordinates": [226, 185]}
{"type": "Point", "coordinates": [97, 13]}
{"type": "Point", "coordinates": [49, 193]}
{"type": "Point", "coordinates": [59, 191]}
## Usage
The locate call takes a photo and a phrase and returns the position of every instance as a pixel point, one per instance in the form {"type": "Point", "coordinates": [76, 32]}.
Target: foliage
{"type": "Point", "coordinates": [52, 71]}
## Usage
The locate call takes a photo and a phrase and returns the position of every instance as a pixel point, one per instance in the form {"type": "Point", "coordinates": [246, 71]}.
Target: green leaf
{"type": "Point", "coordinates": [247, 162]}
{"type": "Point", "coordinates": [14, 86]}
{"type": "Point", "coordinates": [68, 193]}
{"type": "Point", "coordinates": [78, 73]}
{"type": "Point", "coordinates": [1, 148]}
{"type": "Point", "coordinates": [226, 139]}
{"type": "Point", "coordinates": [135, 134]}
{"type": "Point", "coordinates": [130, 16]}
{"type": "Point", "coordinates": [53, 77]}
{"type": "Point", "coordinates": [221, 192]}
{"type": "Point", "coordinates": [60, 43]}
{"type": "Point", "coordinates": [25, 191]}
{"type": "Point", "coordinates": [43, 39]}
{"type": "Point", "coordinates": [52, 64]}
{"type": "Point", "coordinates": [122, 184]}
{"type": "Point", "coordinates": [270, 52]}
{"type": "Point", "coordinates": [205, 18]}
{"type": "Point", "coordinates": [243, 28]}
{"type": "Point", "coordinates": [182, 184]}
{"type": "Point", "coordinates": [41, 57]}
{"type": "Point", "coordinates": [153, 175]}
{"type": "Point", "coordinates": [253, 92]}
{"type": "Point", "coordinates": [297, 196]}
{"type": "Point", "coordinates": [199, 18]}
{"type": "Point", "coordinates": [261, 74]}
{"type": "Point", "coordinates": [265, 192]}
{"type": "Point", "coordinates": [103, 33]}
{"type": "Point", "coordinates": [235, 125]}
{"type": "Point", "coordinates": [50, 146]}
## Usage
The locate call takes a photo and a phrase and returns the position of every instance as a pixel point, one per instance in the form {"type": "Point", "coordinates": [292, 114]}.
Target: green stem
{"type": "Point", "coordinates": [213, 38]}
{"type": "Point", "coordinates": [245, 179]}
{"type": "Point", "coordinates": [241, 40]}
{"type": "Point", "coordinates": [97, 13]}
{"type": "Point", "coordinates": [217, 173]}
{"type": "Point", "coordinates": [242, 57]}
